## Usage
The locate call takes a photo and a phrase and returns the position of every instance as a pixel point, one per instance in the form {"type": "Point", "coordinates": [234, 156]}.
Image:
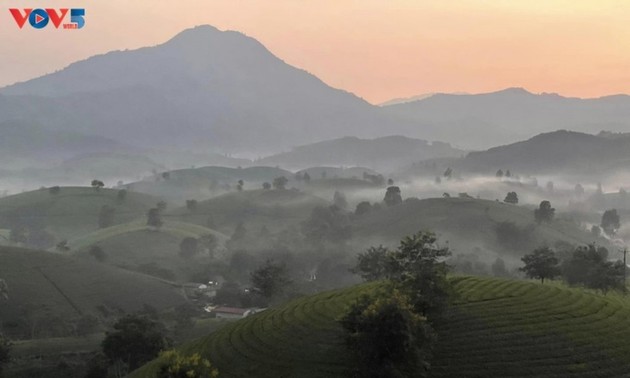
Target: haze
{"type": "Point", "coordinates": [378, 50]}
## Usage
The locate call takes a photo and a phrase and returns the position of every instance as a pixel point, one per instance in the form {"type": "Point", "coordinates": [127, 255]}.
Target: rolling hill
{"type": "Point", "coordinates": [467, 224]}
{"type": "Point", "coordinates": [559, 152]}
{"type": "Point", "coordinates": [494, 328]}
{"type": "Point", "coordinates": [381, 154]}
{"type": "Point", "coordinates": [205, 182]}
{"type": "Point", "coordinates": [137, 247]}
{"type": "Point", "coordinates": [45, 285]}
{"type": "Point", "coordinates": [275, 209]}
{"type": "Point", "coordinates": [73, 211]}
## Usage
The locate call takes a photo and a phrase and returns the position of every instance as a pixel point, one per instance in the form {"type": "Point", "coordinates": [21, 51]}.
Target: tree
{"type": "Point", "coordinates": [5, 352]}
{"type": "Point", "coordinates": [97, 184]}
{"type": "Point", "coordinates": [544, 213]}
{"type": "Point", "coordinates": [610, 222]}
{"type": "Point", "coordinates": [448, 173]}
{"type": "Point", "coordinates": [154, 218]}
{"type": "Point", "coordinates": [392, 196]}
{"type": "Point", "coordinates": [596, 231]}
{"type": "Point", "coordinates": [121, 195]}
{"type": "Point", "coordinates": [339, 200]}
{"type": "Point", "coordinates": [98, 253]}
{"type": "Point", "coordinates": [327, 224]}
{"type": "Point", "coordinates": [191, 205]}
{"type": "Point", "coordinates": [270, 280]}
{"type": "Point", "coordinates": [541, 264]}
{"type": "Point", "coordinates": [512, 198]}
{"type": "Point", "coordinates": [210, 243]}
{"type": "Point", "coordinates": [239, 185]}
{"type": "Point", "coordinates": [363, 208]}
{"type": "Point", "coordinates": [172, 364]}
{"type": "Point", "coordinates": [578, 190]}
{"type": "Point", "coordinates": [390, 182]}
{"type": "Point", "coordinates": [266, 186]}
{"type": "Point", "coordinates": [387, 337]}
{"type": "Point", "coordinates": [589, 266]}
{"type": "Point", "coordinates": [498, 268]}
{"type": "Point", "coordinates": [188, 247]}
{"type": "Point", "coordinates": [54, 190]}
{"type": "Point", "coordinates": [550, 186]}
{"type": "Point", "coordinates": [239, 232]}
{"type": "Point", "coordinates": [416, 267]}
{"type": "Point", "coordinates": [508, 173]}
{"type": "Point", "coordinates": [106, 216]}
{"type": "Point", "coordinates": [499, 174]}
{"type": "Point", "coordinates": [62, 246]}
{"type": "Point", "coordinates": [280, 183]}
{"type": "Point", "coordinates": [373, 264]}
{"type": "Point", "coordinates": [166, 175]}
{"type": "Point", "coordinates": [135, 340]}
{"type": "Point", "coordinates": [306, 177]}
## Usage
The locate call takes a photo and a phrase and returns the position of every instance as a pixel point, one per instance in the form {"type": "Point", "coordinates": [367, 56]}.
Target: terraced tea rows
{"type": "Point", "coordinates": [495, 328]}
{"type": "Point", "coordinates": [502, 328]}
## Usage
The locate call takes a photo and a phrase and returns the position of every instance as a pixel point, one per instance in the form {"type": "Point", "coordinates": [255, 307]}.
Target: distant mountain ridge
{"type": "Point", "coordinates": [481, 121]}
{"type": "Point", "coordinates": [382, 154]}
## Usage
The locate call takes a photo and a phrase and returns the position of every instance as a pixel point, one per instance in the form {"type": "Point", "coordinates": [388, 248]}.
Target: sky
{"type": "Point", "coordinates": [377, 49]}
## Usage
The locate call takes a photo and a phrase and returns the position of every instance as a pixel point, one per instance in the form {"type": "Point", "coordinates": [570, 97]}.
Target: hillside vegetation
{"type": "Point", "coordinates": [495, 328]}
{"type": "Point", "coordinates": [465, 223]}
{"type": "Point", "coordinates": [275, 209]}
{"type": "Point", "coordinates": [45, 287]}
{"type": "Point", "coordinates": [73, 211]}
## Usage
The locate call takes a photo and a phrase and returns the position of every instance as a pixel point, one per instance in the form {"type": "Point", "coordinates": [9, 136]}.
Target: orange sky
{"type": "Point", "coordinates": [378, 49]}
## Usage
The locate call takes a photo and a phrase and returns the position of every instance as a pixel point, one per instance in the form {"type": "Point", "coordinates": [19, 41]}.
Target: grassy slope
{"type": "Point", "coordinates": [74, 211]}
{"type": "Point", "coordinates": [194, 183]}
{"type": "Point", "coordinates": [39, 280]}
{"type": "Point", "coordinates": [465, 223]}
{"type": "Point", "coordinates": [276, 209]}
{"type": "Point", "coordinates": [133, 244]}
{"type": "Point", "coordinates": [495, 328]}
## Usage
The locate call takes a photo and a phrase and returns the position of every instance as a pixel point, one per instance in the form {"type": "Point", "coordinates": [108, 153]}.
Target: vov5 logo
{"type": "Point", "coordinates": [40, 18]}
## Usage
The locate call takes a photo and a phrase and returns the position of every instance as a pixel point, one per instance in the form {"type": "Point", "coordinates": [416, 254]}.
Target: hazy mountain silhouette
{"type": "Point", "coordinates": [382, 154]}
{"type": "Point", "coordinates": [203, 88]}
{"type": "Point", "coordinates": [560, 151]}
{"type": "Point", "coordinates": [486, 120]}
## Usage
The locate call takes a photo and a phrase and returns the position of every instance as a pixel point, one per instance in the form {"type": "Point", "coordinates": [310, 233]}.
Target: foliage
{"type": "Point", "coordinates": [5, 352]}
{"type": "Point", "coordinates": [339, 200]}
{"type": "Point", "coordinates": [416, 267]}
{"type": "Point", "coordinates": [121, 195]}
{"type": "Point", "coordinates": [54, 190]}
{"type": "Point", "coordinates": [98, 253]}
{"type": "Point", "coordinates": [136, 339]}
{"type": "Point", "coordinates": [589, 266]}
{"type": "Point", "coordinates": [188, 247]}
{"type": "Point", "coordinates": [392, 196]}
{"type": "Point", "coordinates": [154, 218]}
{"type": "Point", "coordinates": [363, 208]}
{"type": "Point", "coordinates": [210, 243]}
{"type": "Point", "coordinates": [280, 183]}
{"type": "Point", "coordinates": [373, 264]}
{"type": "Point", "coordinates": [327, 224]}
{"type": "Point", "coordinates": [97, 184]}
{"type": "Point", "coordinates": [387, 337]}
{"type": "Point", "coordinates": [106, 216]}
{"type": "Point", "coordinates": [512, 198]}
{"type": "Point", "coordinates": [266, 186]}
{"type": "Point", "coordinates": [610, 222]}
{"type": "Point", "coordinates": [175, 365]}
{"type": "Point", "coordinates": [544, 213]}
{"type": "Point", "coordinates": [270, 280]}
{"type": "Point", "coordinates": [541, 264]}
{"type": "Point", "coordinates": [191, 205]}
{"type": "Point", "coordinates": [498, 268]}
{"type": "Point", "coordinates": [513, 237]}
